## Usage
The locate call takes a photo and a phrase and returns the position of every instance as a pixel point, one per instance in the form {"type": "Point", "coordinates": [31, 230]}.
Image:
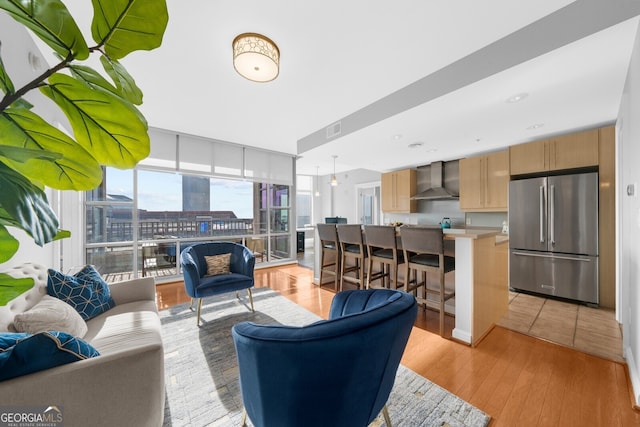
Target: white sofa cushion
{"type": "Point", "coordinates": [50, 314]}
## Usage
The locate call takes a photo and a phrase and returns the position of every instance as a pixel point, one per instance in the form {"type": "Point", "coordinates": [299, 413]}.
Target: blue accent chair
{"type": "Point", "coordinates": [336, 372]}
{"type": "Point", "coordinates": [194, 270]}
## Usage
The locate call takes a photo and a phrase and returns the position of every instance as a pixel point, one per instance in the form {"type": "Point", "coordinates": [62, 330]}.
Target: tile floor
{"type": "Point", "coordinates": [591, 330]}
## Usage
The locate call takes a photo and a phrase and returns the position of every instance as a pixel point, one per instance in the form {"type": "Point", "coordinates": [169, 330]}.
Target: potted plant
{"type": "Point", "coordinates": [108, 129]}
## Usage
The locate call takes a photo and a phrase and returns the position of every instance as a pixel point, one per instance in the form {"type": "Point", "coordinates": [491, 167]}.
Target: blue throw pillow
{"type": "Point", "coordinates": [85, 291]}
{"type": "Point", "coordinates": [42, 351]}
{"type": "Point", "coordinates": [9, 339]}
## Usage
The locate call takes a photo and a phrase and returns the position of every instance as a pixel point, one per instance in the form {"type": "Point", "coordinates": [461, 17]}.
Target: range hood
{"type": "Point", "coordinates": [437, 191]}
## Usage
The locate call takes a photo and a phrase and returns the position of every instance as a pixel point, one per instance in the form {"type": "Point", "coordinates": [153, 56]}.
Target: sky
{"type": "Point", "coordinates": [162, 191]}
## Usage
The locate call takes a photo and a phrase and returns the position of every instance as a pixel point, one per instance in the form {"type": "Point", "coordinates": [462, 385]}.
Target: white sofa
{"type": "Point", "coordinates": [124, 386]}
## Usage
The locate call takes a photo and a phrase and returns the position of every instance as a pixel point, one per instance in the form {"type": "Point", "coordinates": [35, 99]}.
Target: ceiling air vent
{"type": "Point", "coordinates": [334, 129]}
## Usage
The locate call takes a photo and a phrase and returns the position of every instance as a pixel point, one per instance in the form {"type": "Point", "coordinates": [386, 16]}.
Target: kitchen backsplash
{"type": "Point", "coordinates": [431, 212]}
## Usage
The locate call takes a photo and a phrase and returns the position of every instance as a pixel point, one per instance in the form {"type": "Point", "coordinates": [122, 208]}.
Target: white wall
{"type": "Point", "coordinates": [341, 200]}
{"type": "Point", "coordinates": [628, 159]}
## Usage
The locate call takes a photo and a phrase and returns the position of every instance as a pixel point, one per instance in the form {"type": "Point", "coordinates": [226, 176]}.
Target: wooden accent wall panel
{"type": "Point", "coordinates": [607, 217]}
{"type": "Point", "coordinates": [490, 290]}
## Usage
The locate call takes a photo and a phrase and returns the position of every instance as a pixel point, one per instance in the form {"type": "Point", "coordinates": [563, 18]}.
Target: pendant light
{"type": "Point", "coordinates": [317, 194]}
{"type": "Point", "coordinates": [334, 180]}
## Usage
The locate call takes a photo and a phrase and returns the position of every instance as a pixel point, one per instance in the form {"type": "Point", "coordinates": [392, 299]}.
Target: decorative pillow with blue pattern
{"type": "Point", "coordinates": [33, 353]}
{"type": "Point", "coordinates": [9, 339]}
{"type": "Point", "coordinates": [85, 291]}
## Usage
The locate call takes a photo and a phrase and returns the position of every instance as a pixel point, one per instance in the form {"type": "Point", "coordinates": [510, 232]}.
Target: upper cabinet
{"type": "Point", "coordinates": [484, 182]}
{"type": "Point", "coordinates": [563, 152]}
{"type": "Point", "coordinates": [397, 189]}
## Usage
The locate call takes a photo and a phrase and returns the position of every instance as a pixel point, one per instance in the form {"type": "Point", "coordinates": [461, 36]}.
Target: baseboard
{"type": "Point", "coordinates": [461, 335]}
{"type": "Point", "coordinates": [633, 376]}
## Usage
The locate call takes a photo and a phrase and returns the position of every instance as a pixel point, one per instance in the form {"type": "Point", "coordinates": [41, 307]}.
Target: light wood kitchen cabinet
{"type": "Point", "coordinates": [484, 182]}
{"type": "Point", "coordinates": [397, 189]}
{"type": "Point", "coordinates": [562, 152]}
{"type": "Point", "coordinates": [574, 151]}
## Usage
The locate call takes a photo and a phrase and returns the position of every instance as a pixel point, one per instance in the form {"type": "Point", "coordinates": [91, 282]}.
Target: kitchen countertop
{"type": "Point", "coordinates": [475, 233]}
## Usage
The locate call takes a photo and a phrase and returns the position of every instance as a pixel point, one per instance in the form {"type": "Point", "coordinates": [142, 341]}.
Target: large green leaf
{"type": "Point", "coordinates": [6, 85]}
{"type": "Point", "coordinates": [8, 244]}
{"type": "Point", "coordinates": [21, 155]}
{"type": "Point", "coordinates": [27, 206]}
{"type": "Point", "coordinates": [51, 22]}
{"type": "Point", "coordinates": [92, 78]}
{"type": "Point", "coordinates": [76, 169]}
{"type": "Point", "coordinates": [126, 84]}
{"type": "Point", "coordinates": [62, 234]}
{"type": "Point", "coordinates": [124, 26]}
{"type": "Point", "coordinates": [10, 287]}
{"type": "Point", "coordinates": [104, 124]}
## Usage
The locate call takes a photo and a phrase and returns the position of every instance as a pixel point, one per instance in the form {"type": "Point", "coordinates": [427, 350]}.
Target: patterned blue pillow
{"type": "Point", "coordinates": [85, 291]}
{"type": "Point", "coordinates": [43, 351]}
{"type": "Point", "coordinates": [9, 339]}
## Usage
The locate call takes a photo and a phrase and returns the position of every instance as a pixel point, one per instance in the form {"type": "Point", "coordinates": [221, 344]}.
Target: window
{"type": "Point", "coordinates": [144, 217]}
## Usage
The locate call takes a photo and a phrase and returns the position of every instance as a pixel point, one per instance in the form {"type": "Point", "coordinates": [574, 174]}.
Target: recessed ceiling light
{"type": "Point", "coordinates": [416, 144]}
{"type": "Point", "coordinates": [516, 98]}
{"type": "Point", "coordinates": [432, 150]}
{"type": "Point", "coordinates": [397, 137]}
{"type": "Point", "coordinates": [536, 126]}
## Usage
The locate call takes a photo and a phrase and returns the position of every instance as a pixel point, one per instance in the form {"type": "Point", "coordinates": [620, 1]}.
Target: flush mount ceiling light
{"type": "Point", "coordinates": [334, 180]}
{"type": "Point", "coordinates": [256, 57]}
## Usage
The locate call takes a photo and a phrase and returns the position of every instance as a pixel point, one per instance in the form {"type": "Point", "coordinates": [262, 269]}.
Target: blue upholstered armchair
{"type": "Point", "coordinates": [194, 269]}
{"type": "Point", "coordinates": [336, 372]}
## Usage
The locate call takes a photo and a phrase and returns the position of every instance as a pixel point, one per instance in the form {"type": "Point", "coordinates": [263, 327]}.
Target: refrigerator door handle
{"type": "Point", "coordinates": [552, 213]}
{"type": "Point", "coordinates": [542, 255]}
{"type": "Point", "coordinates": [541, 214]}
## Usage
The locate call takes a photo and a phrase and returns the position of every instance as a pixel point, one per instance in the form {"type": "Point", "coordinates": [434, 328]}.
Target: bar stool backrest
{"type": "Point", "coordinates": [381, 236]}
{"type": "Point", "coordinates": [423, 240]}
{"type": "Point", "coordinates": [328, 235]}
{"type": "Point", "coordinates": [350, 236]}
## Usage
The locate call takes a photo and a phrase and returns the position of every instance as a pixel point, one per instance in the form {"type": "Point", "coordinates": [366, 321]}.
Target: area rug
{"type": "Point", "coordinates": [202, 387]}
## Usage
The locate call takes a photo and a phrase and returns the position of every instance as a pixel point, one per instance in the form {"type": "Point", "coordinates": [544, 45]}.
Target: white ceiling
{"type": "Point", "coordinates": [340, 59]}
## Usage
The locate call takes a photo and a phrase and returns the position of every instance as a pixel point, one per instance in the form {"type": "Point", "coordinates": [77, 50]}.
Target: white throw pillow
{"type": "Point", "coordinates": [51, 314]}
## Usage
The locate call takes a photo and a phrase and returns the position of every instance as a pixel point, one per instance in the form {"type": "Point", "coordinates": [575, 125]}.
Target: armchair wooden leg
{"type": "Point", "coordinates": [385, 414]}
{"type": "Point", "coordinates": [251, 299]}
{"type": "Point", "coordinates": [244, 418]}
{"type": "Point", "coordinates": [199, 308]}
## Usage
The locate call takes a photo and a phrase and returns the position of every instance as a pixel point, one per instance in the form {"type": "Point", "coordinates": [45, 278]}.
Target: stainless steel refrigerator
{"type": "Point", "coordinates": [553, 236]}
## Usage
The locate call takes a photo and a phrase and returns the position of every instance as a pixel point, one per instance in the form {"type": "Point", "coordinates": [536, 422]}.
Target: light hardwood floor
{"type": "Point", "coordinates": [517, 379]}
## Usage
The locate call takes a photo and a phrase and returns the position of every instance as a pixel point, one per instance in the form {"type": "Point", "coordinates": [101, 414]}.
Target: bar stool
{"type": "Point", "coordinates": [423, 249]}
{"type": "Point", "coordinates": [330, 253]}
{"type": "Point", "coordinates": [382, 246]}
{"type": "Point", "coordinates": [352, 248]}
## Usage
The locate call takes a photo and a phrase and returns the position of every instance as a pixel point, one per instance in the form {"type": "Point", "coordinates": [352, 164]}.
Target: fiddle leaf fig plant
{"type": "Point", "coordinates": [107, 127]}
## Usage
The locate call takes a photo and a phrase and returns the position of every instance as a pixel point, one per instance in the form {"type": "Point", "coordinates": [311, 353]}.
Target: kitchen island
{"type": "Point", "coordinates": [481, 281]}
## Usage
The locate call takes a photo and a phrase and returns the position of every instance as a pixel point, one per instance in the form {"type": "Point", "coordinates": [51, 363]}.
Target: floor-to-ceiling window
{"type": "Point", "coordinates": [138, 220]}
